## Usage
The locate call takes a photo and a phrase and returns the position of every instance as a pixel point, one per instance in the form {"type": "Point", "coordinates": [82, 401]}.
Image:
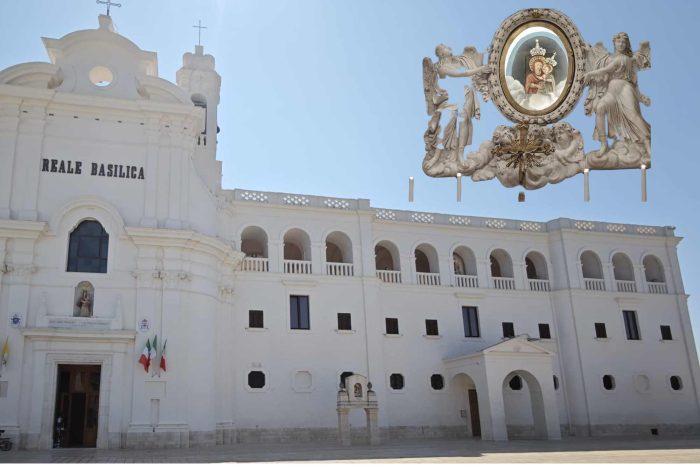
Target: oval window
{"type": "Point", "coordinates": [101, 76]}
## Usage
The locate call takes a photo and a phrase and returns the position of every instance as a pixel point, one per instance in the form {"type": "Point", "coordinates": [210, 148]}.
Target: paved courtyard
{"type": "Point", "coordinates": [579, 450]}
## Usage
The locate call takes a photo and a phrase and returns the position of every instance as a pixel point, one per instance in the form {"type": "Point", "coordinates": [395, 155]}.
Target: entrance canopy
{"type": "Point", "coordinates": [490, 367]}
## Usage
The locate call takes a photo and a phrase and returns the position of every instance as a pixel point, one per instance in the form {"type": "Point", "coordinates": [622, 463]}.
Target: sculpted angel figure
{"type": "Point", "coordinates": [614, 93]}
{"type": "Point", "coordinates": [462, 66]}
{"type": "Point", "coordinates": [445, 160]}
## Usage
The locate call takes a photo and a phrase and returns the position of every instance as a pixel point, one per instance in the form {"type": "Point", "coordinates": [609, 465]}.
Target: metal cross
{"type": "Point", "coordinates": [199, 32]}
{"type": "Point", "coordinates": [108, 3]}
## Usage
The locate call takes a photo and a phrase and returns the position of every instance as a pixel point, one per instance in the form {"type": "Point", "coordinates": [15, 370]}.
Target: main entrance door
{"type": "Point", "coordinates": [77, 402]}
{"type": "Point", "coordinates": [474, 411]}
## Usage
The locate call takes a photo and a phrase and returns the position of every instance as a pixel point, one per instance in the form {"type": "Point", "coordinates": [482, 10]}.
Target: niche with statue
{"type": "Point", "coordinates": [84, 300]}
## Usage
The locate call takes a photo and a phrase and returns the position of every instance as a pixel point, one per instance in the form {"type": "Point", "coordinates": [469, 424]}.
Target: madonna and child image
{"type": "Point", "coordinates": [536, 69]}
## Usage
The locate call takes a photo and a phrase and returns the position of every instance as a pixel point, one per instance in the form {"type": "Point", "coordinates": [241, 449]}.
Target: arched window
{"type": "Point", "coordinates": [530, 269]}
{"type": "Point", "coordinates": [88, 247]}
{"type": "Point", "coordinates": [458, 263]}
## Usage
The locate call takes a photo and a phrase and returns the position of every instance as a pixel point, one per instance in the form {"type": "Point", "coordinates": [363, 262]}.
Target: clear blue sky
{"type": "Point", "coordinates": [325, 97]}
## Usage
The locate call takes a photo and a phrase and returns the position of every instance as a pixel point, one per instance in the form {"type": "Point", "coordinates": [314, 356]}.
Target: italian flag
{"type": "Point", "coordinates": [145, 357]}
{"type": "Point", "coordinates": [153, 352]}
{"type": "Point", "coordinates": [162, 357]}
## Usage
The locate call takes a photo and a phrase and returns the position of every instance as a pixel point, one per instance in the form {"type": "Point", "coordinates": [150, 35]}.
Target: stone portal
{"type": "Point", "coordinates": [361, 396]}
{"type": "Point", "coordinates": [77, 404]}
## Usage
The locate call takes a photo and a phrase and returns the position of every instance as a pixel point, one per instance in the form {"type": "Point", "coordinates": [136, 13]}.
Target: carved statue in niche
{"type": "Point", "coordinates": [84, 300]}
{"type": "Point", "coordinates": [358, 390]}
{"type": "Point", "coordinates": [614, 96]}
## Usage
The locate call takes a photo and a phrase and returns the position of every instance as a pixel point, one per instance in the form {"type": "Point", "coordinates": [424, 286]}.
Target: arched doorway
{"type": "Point", "coordinates": [466, 398]}
{"type": "Point", "coordinates": [524, 406]}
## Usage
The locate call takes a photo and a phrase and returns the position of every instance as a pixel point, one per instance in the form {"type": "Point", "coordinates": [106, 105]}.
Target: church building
{"type": "Point", "coordinates": [143, 305]}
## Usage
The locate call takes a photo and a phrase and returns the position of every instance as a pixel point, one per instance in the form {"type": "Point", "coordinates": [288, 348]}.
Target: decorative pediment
{"type": "Point", "coordinates": [519, 344]}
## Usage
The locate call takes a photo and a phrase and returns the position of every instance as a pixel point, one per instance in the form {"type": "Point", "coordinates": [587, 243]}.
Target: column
{"type": "Point", "coordinates": [149, 219]}
{"type": "Point", "coordinates": [373, 426]}
{"type": "Point", "coordinates": [609, 275]}
{"type": "Point", "coordinates": [520, 276]}
{"type": "Point", "coordinates": [445, 270]}
{"type": "Point", "coordinates": [344, 426]}
{"type": "Point", "coordinates": [275, 254]}
{"type": "Point", "coordinates": [318, 258]}
{"type": "Point", "coordinates": [28, 153]}
{"type": "Point", "coordinates": [408, 268]}
{"type": "Point", "coordinates": [483, 273]}
{"type": "Point", "coordinates": [640, 278]}
{"type": "Point", "coordinates": [9, 120]}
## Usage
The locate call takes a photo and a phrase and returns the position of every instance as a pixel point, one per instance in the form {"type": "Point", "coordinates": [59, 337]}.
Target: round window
{"type": "Point", "coordinates": [101, 76]}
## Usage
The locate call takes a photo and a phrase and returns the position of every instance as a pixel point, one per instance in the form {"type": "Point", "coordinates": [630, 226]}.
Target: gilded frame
{"type": "Point", "coordinates": [567, 32]}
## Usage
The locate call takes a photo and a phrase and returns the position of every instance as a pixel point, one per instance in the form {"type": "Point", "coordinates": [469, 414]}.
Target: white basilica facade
{"type": "Point", "coordinates": [114, 228]}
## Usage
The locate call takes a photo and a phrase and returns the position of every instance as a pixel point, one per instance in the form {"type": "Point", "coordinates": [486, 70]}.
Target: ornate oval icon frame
{"type": "Point", "coordinates": [566, 30]}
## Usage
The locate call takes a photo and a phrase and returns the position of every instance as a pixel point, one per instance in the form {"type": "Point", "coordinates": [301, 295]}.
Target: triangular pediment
{"type": "Point", "coordinates": [519, 345]}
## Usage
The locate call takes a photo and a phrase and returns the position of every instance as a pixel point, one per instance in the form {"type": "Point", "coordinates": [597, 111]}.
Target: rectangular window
{"type": "Point", "coordinates": [631, 327]}
{"type": "Point", "coordinates": [255, 319]}
{"type": "Point", "coordinates": [470, 318]}
{"type": "Point", "coordinates": [600, 331]}
{"type": "Point", "coordinates": [666, 332]}
{"type": "Point", "coordinates": [299, 312]}
{"type": "Point", "coordinates": [508, 329]}
{"type": "Point", "coordinates": [544, 331]}
{"type": "Point", "coordinates": [344, 321]}
{"type": "Point", "coordinates": [431, 327]}
{"type": "Point", "coordinates": [392, 326]}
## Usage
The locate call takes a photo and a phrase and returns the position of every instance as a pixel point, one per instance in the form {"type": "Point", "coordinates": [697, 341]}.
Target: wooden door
{"type": "Point", "coordinates": [474, 413]}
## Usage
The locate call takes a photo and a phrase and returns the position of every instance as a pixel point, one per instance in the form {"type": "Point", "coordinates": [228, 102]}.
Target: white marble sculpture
{"type": "Point", "coordinates": [615, 97]}
{"type": "Point", "coordinates": [538, 68]}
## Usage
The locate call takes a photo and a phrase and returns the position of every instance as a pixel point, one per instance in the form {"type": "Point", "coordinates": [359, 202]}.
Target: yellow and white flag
{"type": "Point", "coordinates": [5, 355]}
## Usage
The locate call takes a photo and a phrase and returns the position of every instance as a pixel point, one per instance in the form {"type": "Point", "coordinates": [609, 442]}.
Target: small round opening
{"type": "Point", "coordinates": [101, 76]}
{"type": "Point", "coordinates": [608, 382]}
{"type": "Point", "coordinates": [516, 383]}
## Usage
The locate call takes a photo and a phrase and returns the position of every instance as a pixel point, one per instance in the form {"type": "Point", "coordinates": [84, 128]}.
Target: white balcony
{"type": "Point", "coordinates": [657, 288]}
{"type": "Point", "coordinates": [538, 285]}
{"type": "Point", "coordinates": [389, 276]}
{"type": "Point", "coordinates": [594, 284]}
{"type": "Point", "coordinates": [504, 283]}
{"type": "Point", "coordinates": [301, 267]}
{"type": "Point", "coordinates": [466, 281]}
{"type": "Point", "coordinates": [340, 269]}
{"type": "Point", "coordinates": [430, 279]}
{"type": "Point", "coordinates": [626, 286]}
{"type": "Point", "coordinates": [255, 264]}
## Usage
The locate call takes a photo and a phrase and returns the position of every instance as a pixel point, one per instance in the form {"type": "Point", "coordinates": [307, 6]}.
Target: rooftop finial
{"type": "Point", "coordinates": [109, 3]}
{"type": "Point", "coordinates": [199, 32]}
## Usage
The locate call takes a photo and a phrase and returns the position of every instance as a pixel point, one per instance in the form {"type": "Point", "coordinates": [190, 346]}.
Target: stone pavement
{"type": "Point", "coordinates": [570, 450]}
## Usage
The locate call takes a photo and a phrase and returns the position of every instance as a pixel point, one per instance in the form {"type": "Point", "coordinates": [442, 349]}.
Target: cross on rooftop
{"type": "Point", "coordinates": [108, 3]}
{"type": "Point", "coordinates": [199, 32]}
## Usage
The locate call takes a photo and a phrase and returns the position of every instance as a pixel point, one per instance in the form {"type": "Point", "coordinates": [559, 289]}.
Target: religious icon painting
{"type": "Point", "coordinates": [536, 67]}
{"type": "Point", "coordinates": [534, 60]}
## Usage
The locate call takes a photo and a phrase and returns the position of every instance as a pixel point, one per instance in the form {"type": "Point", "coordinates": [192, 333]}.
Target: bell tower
{"type": "Point", "coordinates": [198, 77]}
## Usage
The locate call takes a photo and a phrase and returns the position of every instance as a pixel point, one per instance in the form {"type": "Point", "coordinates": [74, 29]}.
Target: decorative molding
{"type": "Point", "coordinates": [496, 223]}
{"type": "Point", "coordinates": [616, 228]}
{"type": "Point", "coordinates": [254, 196]}
{"type": "Point", "coordinates": [646, 230]}
{"type": "Point", "coordinates": [293, 199]}
{"type": "Point", "coordinates": [420, 217]}
{"type": "Point", "coordinates": [385, 214]}
{"type": "Point", "coordinates": [583, 225]}
{"type": "Point", "coordinates": [337, 204]}
{"type": "Point", "coordinates": [459, 220]}
{"type": "Point", "coordinates": [531, 226]}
